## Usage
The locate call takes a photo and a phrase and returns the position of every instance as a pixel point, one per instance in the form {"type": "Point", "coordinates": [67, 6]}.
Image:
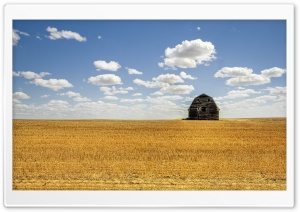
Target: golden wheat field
{"type": "Point", "coordinates": [229, 154]}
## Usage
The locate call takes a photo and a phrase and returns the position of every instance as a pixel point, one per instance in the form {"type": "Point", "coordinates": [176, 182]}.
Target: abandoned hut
{"type": "Point", "coordinates": [203, 107]}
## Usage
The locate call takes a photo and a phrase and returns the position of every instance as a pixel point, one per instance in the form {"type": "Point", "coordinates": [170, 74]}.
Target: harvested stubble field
{"type": "Point", "coordinates": [230, 154]}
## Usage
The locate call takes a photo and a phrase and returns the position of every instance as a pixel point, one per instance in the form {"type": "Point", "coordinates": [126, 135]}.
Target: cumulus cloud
{"type": "Point", "coordinates": [261, 99]}
{"type": "Point", "coordinates": [133, 71]}
{"type": "Point", "coordinates": [198, 28]}
{"type": "Point", "coordinates": [132, 100]}
{"type": "Point", "coordinates": [150, 84]}
{"type": "Point", "coordinates": [189, 54]}
{"type": "Point", "coordinates": [252, 79]}
{"type": "Point", "coordinates": [113, 90]}
{"type": "Point", "coordinates": [233, 72]}
{"type": "Point", "coordinates": [234, 94]}
{"type": "Point", "coordinates": [157, 93]}
{"type": "Point", "coordinates": [70, 94]}
{"type": "Point", "coordinates": [57, 103]}
{"type": "Point", "coordinates": [64, 34]}
{"type": "Point", "coordinates": [30, 74]}
{"type": "Point", "coordinates": [38, 37]}
{"type": "Point", "coordinates": [76, 96]}
{"type": "Point", "coordinates": [168, 78]}
{"type": "Point", "coordinates": [137, 94]}
{"type": "Point", "coordinates": [276, 90]}
{"type": "Point", "coordinates": [20, 95]}
{"type": "Point", "coordinates": [16, 36]}
{"type": "Point", "coordinates": [188, 99]}
{"type": "Point", "coordinates": [45, 96]}
{"type": "Point", "coordinates": [105, 79]}
{"type": "Point", "coordinates": [184, 75]}
{"type": "Point", "coordinates": [242, 76]}
{"type": "Point", "coordinates": [273, 72]}
{"type": "Point", "coordinates": [108, 66]}
{"type": "Point", "coordinates": [53, 84]}
{"type": "Point", "coordinates": [81, 99]}
{"type": "Point", "coordinates": [177, 89]}
{"type": "Point", "coordinates": [265, 106]}
{"type": "Point", "coordinates": [171, 98]}
{"type": "Point", "coordinates": [111, 98]}
{"type": "Point", "coordinates": [161, 65]}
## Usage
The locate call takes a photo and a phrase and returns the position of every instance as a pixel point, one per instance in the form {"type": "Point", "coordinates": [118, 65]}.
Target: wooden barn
{"type": "Point", "coordinates": [203, 107]}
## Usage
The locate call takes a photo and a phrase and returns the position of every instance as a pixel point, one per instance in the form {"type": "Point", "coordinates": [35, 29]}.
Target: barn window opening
{"type": "Point", "coordinates": [203, 109]}
{"type": "Point", "coordinates": [208, 100]}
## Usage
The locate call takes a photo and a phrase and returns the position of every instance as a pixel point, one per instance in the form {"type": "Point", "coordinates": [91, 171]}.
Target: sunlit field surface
{"type": "Point", "coordinates": [229, 154]}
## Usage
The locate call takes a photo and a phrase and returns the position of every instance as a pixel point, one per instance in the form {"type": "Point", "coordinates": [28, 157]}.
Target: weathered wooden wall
{"type": "Point", "coordinates": [203, 107]}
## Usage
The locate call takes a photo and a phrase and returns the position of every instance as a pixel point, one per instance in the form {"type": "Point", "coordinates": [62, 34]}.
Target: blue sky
{"type": "Point", "coordinates": [147, 69]}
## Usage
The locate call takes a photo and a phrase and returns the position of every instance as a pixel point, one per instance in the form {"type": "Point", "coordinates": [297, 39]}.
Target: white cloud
{"type": "Point", "coordinates": [113, 90]}
{"type": "Point", "coordinates": [70, 94]}
{"type": "Point", "coordinates": [245, 77]}
{"type": "Point", "coordinates": [159, 102]}
{"type": "Point", "coordinates": [45, 96]}
{"type": "Point", "coordinates": [184, 75]}
{"type": "Point", "coordinates": [42, 74]}
{"type": "Point", "coordinates": [16, 101]}
{"type": "Point", "coordinates": [276, 90]}
{"type": "Point", "coordinates": [22, 33]}
{"type": "Point", "coordinates": [20, 95]}
{"type": "Point", "coordinates": [168, 78]}
{"type": "Point", "coordinates": [16, 36]}
{"type": "Point", "coordinates": [198, 28]}
{"type": "Point", "coordinates": [38, 37]}
{"type": "Point", "coordinates": [137, 94]}
{"type": "Point", "coordinates": [234, 94]}
{"type": "Point", "coordinates": [240, 88]}
{"type": "Point", "coordinates": [132, 100]}
{"type": "Point", "coordinates": [57, 103]}
{"type": "Point", "coordinates": [161, 65]}
{"type": "Point", "coordinates": [53, 84]}
{"type": "Point", "coordinates": [252, 79]}
{"type": "Point", "coordinates": [105, 79]}
{"type": "Point", "coordinates": [111, 98]}
{"type": "Point", "coordinates": [177, 89]}
{"type": "Point", "coordinates": [76, 96]}
{"type": "Point", "coordinates": [261, 99]}
{"type": "Point", "coordinates": [233, 72]}
{"type": "Point", "coordinates": [55, 34]}
{"type": "Point", "coordinates": [188, 99]}
{"type": "Point", "coordinates": [30, 74]}
{"type": "Point", "coordinates": [81, 99]}
{"type": "Point", "coordinates": [273, 72]}
{"type": "Point", "coordinates": [133, 71]}
{"type": "Point", "coordinates": [189, 54]}
{"type": "Point", "coordinates": [99, 37]}
{"type": "Point", "coordinates": [261, 106]}
{"type": "Point", "coordinates": [109, 66]}
{"type": "Point", "coordinates": [150, 84]}
{"type": "Point", "coordinates": [174, 97]}
{"type": "Point", "coordinates": [157, 93]}
{"type": "Point", "coordinates": [15, 74]}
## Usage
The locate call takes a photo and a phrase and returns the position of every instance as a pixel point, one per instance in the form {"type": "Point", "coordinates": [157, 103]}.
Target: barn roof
{"type": "Point", "coordinates": [203, 96]}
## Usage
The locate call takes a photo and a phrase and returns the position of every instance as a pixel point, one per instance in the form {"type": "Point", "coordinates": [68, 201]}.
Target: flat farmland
{"type": "Point", "coordinates": [229, 154]}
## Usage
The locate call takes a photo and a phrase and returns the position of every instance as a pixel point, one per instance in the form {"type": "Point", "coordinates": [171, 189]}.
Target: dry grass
{"type": "Point", "coordinates": [230, 154]}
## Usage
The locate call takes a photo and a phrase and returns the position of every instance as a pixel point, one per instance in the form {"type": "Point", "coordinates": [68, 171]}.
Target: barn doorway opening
{"type": "Point", "coordinates": [203, 109]}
